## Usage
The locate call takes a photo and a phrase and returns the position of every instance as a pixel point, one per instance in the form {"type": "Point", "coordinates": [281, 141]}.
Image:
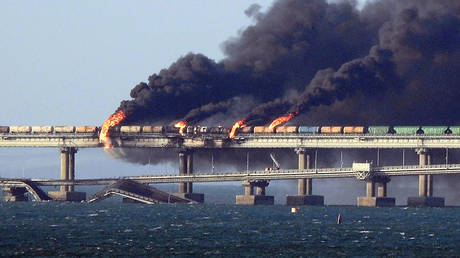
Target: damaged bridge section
{"type": "Point", "coordinates": [138, 192]}
{"type": "Point", "coordinates": [16, 190]}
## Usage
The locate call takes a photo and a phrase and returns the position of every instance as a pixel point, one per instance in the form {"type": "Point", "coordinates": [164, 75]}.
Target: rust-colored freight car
{"type": "Point", "coordinates": [85, 129]}
{"type": "Point", "coordinates": [354, 129]}
{"type": "Point", "coordinates": [262, 129]}
{"type": "Point", "coordinates": [286, 129]}
{"type": "Point", "coordinates": [4, 129]}
{"type": "Point", "coordinates": [331, 129]}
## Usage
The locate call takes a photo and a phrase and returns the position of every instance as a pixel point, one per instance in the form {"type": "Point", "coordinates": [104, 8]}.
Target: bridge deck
{"type": "Point", "coordinates": [138, 192]}
{"type": "Point", "coordinates": [257, 175]}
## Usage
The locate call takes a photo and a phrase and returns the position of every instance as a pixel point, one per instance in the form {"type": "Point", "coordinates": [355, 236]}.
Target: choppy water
{"type": "Point", "coordinates": [117, 229]}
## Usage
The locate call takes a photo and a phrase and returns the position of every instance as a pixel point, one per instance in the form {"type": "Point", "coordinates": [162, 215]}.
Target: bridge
{"type": "Point", "coordinates": [256, 175]}
{"type": "Point", "coordinates": [69, 143]}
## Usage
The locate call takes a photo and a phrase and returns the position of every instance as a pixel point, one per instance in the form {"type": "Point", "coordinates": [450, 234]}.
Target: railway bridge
{"type": "Point", "coordinates": [301, 144]}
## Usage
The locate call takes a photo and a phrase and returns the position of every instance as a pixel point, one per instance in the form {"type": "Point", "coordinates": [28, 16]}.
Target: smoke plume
{"type": "Point", "coordinates": [305, 54]}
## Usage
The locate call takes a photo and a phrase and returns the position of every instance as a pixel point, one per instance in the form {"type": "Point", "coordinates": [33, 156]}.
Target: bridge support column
{"type": "Point", "coordinates": [15, 194]}
{"type": "Point", "coordinates": [64, 166]}
{"type": "Point", "coordinates": [304, 185]}
{"type": "Point", "coordinates": [186, 168]}
{"type": "Point", "coordinates": [425, 185]}
{"type": "Point", "coordinates": [370, 200]}
{"type": "Point", "coordinates": [71, 168]}
{"type": "Point", "coordinates": [258, 199]}
{"type": "Point", "coordinates": [66, 192]}
{"type": "Point", "coordinates": [182, 171]}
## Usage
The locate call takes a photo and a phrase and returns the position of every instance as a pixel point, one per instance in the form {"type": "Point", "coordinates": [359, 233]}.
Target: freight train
{"type": "Point", "coordinates": [256, 130]}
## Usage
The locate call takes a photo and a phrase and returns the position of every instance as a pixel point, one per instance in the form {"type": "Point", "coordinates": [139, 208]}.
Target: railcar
{"type": "Point", "coordinates": [218, 130]}
{"type": "Point", "coordinates": [153, 129]}
{"type": "Point", "coordinates": [354, 129]}
{"type": "Point", "coordinates": [171, 129]}
{"type": "Point", "coordinates": [434, 130]}
{"type": "Point", "coordinates": [407, 130]}
{"type": "Point", "coordinates": [331, 129]}
{"type": "Point", "coordinates": [309, 129]}
{"type": "Point", "coordinates": [262, 129]}
{"type": "Point", "coordinates": [64, 129]}
{"type": "Point", "coordinates": [379, 130]}
{"type": "Point", "coordinates": [86, 129]}
{"type": "Point", "coordinates": [4, 129]}
{"type": "Point", "coordinates": [455, 130]}
{"type": "Point", "coordinates": [130, 129]}
{"type": "Point", "coordinates": [246, 129]}
{"type": "Point", "coordinates": [42, 129]}
{"type": "Point", "coordinates": [20, 129]}
{"type": "Point", "coordinates": [286, 129]}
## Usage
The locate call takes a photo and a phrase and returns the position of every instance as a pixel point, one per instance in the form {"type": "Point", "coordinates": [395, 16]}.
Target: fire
{"type": "Point", "coordinates": [235, 127]}
{"type": "Point", "coordinates": [281, 120]}
{"type": "Point", "coordinates": [112, 121]}
{"type": "Point", "coordinates": [181, 125]}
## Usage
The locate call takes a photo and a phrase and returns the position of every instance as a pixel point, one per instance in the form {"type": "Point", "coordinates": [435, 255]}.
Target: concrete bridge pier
{"type": "Point", "coordinates": [14, 194]}
{"type": "Point", "coordinates": [249, 198]}
{"type": "Point", "coordinates": [66, 192]}
{"type": "Point", "coordinates": [304, 186]}
{"type": "Point", "coordinates": [425, 185]}
{"type": "Point", "coordinates": [186, 168]}
{"type": "Point", "coordinates": [381, 200]}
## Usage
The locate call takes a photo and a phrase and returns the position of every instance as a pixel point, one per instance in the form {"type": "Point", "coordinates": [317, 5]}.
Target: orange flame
{"type": "Point", "coordinates": [281, 120]}
{"type": "Point", "coordinates": [235, 127]}
{"type": "Point", "coordinates": [181, 125]}
{"type": "Point", "coordinates": [112, 121]}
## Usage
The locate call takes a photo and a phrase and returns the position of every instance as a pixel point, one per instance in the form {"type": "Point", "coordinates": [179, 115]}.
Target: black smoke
{"type": "Point", "coordinates": [299, 55]}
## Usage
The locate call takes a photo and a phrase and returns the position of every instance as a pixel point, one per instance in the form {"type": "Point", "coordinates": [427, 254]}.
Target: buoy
{"type": "Point", "coordinates": [339, 219]}
{"type": "Point", "coordinates": [294, 210]}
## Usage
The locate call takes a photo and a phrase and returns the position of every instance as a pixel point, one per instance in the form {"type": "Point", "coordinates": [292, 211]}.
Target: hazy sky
{"type": "Point", "coordinates": [72, 62]}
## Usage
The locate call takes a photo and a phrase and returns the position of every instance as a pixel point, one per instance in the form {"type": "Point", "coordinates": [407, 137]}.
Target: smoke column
{"type": "Point", "coordinates": [392, 62]}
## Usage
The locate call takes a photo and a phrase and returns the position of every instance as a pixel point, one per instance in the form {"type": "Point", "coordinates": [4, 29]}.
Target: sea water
{"type": "Point", "coordinates": [121, 229]}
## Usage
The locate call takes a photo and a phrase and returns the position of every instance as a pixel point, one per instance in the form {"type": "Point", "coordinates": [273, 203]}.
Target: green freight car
{"type": "Point", "coordinates": [379, 130]}
{"type": "Point", "coordinates": [407, 130]}
{"type": "Point", "coordinates": [434, 130]}
{"type": "Point", "coordinates": [454, 130]}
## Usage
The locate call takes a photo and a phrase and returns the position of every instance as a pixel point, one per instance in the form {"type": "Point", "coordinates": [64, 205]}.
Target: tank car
{"type": "Point", "coordinates": [286, 129]}
{"type": "Point", "coordinates": [407, 130]}
{"type": "Point", "coordinates": [20, 129]}
{"type": "Point", "coordinates": [262, 129]}
{"type": "Point", "coordinates": [354, 129]}
{"type": "Point", "coordinates": [331, 129]}
{"type": "Point", "coordinates": [85, 129]}
{"type": "Point", "coordinates": [152, 129]}
{"type": "Point", "coordinates": [42, 129]}
{"type": "Point", "coordinates": [130, 129]}
{"type": "Point", "coordinates": [4, 129]}
{"type": "Point", "coordinates": [308, 129]}
{"type": "Point", "coordinates": [64, 129]}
